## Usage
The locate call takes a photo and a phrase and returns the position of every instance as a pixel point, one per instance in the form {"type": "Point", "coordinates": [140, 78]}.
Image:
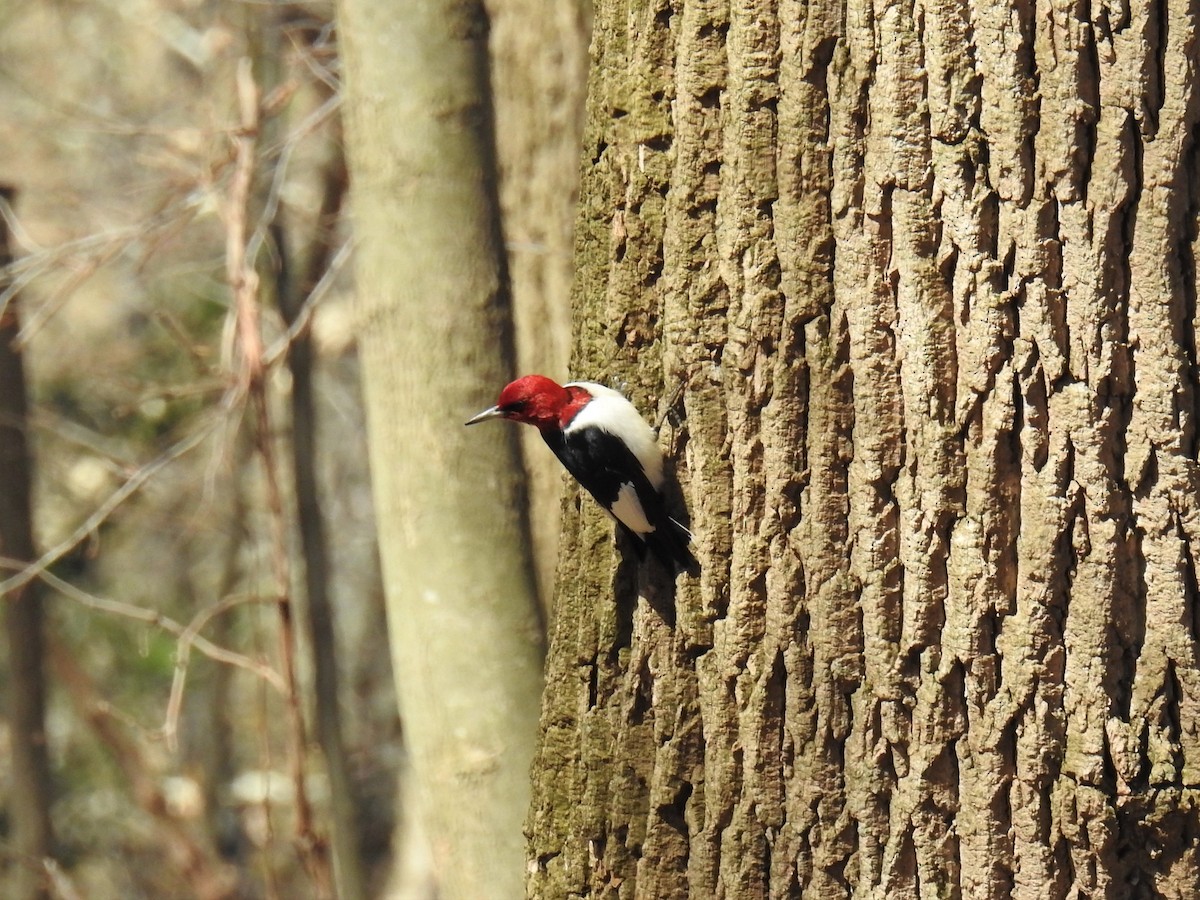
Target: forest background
{"type": "Point", "coordinates": [154, 153]}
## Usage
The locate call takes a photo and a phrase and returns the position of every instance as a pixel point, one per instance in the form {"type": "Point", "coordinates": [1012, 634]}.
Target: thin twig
{"type": "Point", "coordinates": [284, 151]}
{"type": "Point", "coordinates": [304, 50]}
{"type": "Point", "coordinates": [101, 447]}
{"type": "Point", "coordinates": [280, 347]}
{"type": "Point", "coordinates": [84, 255]}
{"type": "Point", "coordinates": [60, 883]}
{"type": "Point", "coordinates": [106, 509]}
{"type": "Point", "coordinates": [203, 870]}
{"type": "Point", "coordinates": [188, 635]}
{"type": "Point", "coordinates": [251, 379]}
{"type": "Point", "coordinates": [83, 271]}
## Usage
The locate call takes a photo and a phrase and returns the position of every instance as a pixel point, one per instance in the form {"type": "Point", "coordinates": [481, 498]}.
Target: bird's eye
{"type": "Point", "coordinates": [515, 407]}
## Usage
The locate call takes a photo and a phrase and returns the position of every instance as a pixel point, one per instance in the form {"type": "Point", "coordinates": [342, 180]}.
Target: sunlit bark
{"type": "Point", "coordinates": [927, 275]}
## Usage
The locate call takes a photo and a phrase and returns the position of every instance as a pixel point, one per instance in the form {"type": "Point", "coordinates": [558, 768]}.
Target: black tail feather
{"type": "Point", "coordinates": [669, 544]}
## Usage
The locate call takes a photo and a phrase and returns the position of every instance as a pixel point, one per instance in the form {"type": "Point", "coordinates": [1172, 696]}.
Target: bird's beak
{"type": "Point", "coordinates": [493, 413]}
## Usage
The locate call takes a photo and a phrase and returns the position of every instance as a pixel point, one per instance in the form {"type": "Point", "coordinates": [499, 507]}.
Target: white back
{"type": "Point", "coordinates": [610, 411]}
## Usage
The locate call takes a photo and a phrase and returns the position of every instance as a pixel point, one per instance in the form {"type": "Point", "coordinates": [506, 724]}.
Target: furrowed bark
{"type": "Point", "coordinates": [927, 271]}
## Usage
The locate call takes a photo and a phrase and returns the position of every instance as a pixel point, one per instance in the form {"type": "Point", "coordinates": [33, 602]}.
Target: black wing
{"type": "Point", "coordinates": [604, 465]}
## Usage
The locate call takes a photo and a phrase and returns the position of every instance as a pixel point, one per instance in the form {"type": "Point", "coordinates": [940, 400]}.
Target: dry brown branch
{"type": "Point", "coordinates": [188, 635]}
{"type": "Point", "coordinates": [250, 377]}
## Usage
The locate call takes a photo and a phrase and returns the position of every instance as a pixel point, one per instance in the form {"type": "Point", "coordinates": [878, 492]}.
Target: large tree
{"type": "Point", "coordinates": [926, 276]}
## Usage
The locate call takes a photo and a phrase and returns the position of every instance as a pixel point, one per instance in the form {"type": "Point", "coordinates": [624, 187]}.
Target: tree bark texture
{"type": "Point", "coordinates": [436, 346]}
{"type": "Point", "coordinates": [927, 273]}
{"type": "Point", "coordinates": [29, 800]}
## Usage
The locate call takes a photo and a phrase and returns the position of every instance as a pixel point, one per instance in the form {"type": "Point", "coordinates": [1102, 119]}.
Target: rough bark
{"type": "Point", "coordinates": [927, 273]}
{"type": "Point", "coordinates": [435, 345]}
{"type": "Point", "coordinates": [29, 799]}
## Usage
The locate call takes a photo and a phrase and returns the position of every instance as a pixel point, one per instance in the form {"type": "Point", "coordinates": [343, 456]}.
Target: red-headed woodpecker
{"type": "Point", "coordinates": [601, 440]}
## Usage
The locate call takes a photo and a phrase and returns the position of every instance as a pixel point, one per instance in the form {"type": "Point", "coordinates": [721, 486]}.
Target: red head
{"type": "Point", "coordinates": [535, 400]}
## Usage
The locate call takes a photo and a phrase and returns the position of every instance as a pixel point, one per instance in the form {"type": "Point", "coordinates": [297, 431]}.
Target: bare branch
{"type": "Point", "coordinates": [276, 351]}
{"type": "Point", "coordinates": [61, 885]}
{"type": "Point", "coordinates": [106, 509]}
{"type": "Point", "coordinates": [209, 877]}
{"type": "Point", "coordinates": [244, 282]}
{"type": "Point", "coordinates": [85, 256]}
{"type": "Point", "coordinates": [189, 635]}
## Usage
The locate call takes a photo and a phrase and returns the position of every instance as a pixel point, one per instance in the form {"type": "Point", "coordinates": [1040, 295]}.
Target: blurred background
{"type": "Point", "coordinates": [178, 482]}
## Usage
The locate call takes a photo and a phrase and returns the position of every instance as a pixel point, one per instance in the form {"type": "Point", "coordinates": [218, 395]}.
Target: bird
{"type": "Point", "coordinates": [605, 444]}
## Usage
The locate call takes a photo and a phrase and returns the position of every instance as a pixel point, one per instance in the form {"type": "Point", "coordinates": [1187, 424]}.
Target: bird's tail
{"type": "Point", "coordinates": [669, 543]}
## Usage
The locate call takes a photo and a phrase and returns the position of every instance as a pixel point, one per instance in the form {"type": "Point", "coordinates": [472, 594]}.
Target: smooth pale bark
{"type": "Point", "coordinates": [928, 275]}
{"type": "Point", "coordinates": [436, 347]}
{"type": "Point", "coordinates": [539, 73]}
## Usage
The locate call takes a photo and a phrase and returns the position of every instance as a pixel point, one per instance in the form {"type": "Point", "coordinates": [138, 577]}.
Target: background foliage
{"type": "Point", "coordinates": [171, 769]}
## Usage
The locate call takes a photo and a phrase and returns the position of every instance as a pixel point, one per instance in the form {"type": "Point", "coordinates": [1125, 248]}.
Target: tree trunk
{"type": "Point", "coordinates": [539, 72]}
{"type": "Point", "coordinates": [927, 275]}
{"type": "Point", "coordinates": [295, 282]}
{"type": "Point", "coordinates": [436, 347]}
{"type": "Point", "coordinates": [29, 798]}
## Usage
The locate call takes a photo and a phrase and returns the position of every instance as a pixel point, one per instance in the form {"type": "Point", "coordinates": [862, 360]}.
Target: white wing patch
{"type": "Point", "coordinates": [628, 511]}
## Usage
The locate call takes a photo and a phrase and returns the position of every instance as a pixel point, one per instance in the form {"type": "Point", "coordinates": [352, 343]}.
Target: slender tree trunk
{"type": "Point", "coordinates": [294, 288]}
{"type": "Point", "coordinates": [29, 801]}
{"type": "Point", "coordinates": [539, 71]}
{"type": "Point", "coordinates": [436, 347]}
{"type": "Point", "coordinates": [927, 274]}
